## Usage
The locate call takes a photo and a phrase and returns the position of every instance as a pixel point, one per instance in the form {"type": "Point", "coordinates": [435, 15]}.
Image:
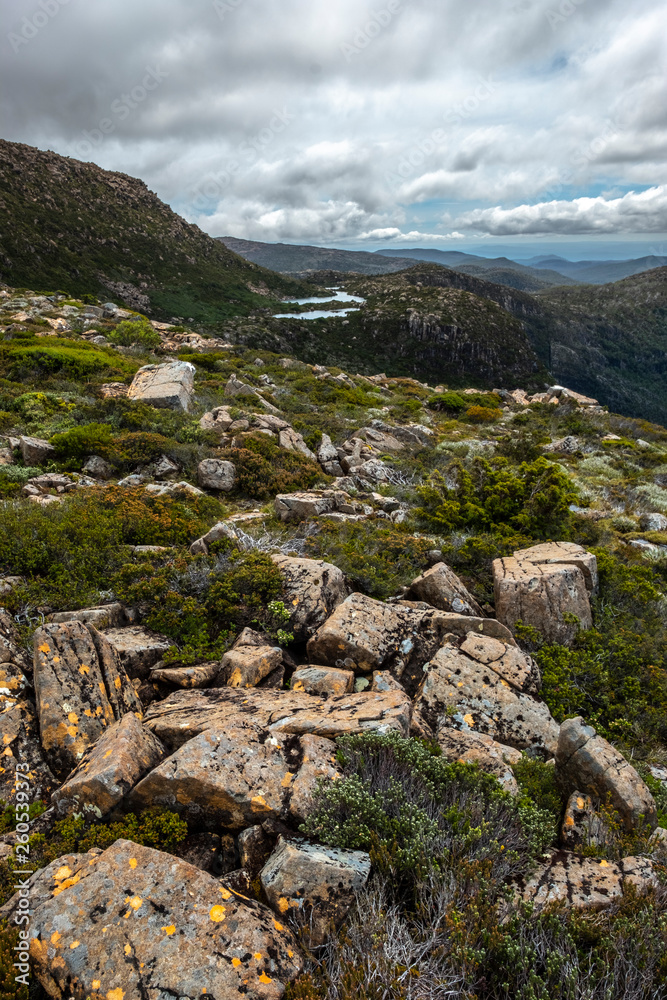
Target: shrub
{"type": "Point", "coordinates": [533, 499]}
{"type": "Point", "coordinates": [90, 439]}
{"type": "Point", "coordinates": [482, 415]}
{"type": "Point", "coordinates": [263, 469]}
{"type": "Point", "coordinates": [71, 359]}
{"type": "Point", "coordinates": [138, 332]}
{"type": "Point", "coordinates": [376, 559]}
{"type": "Point", "coordinates": [454, 402]}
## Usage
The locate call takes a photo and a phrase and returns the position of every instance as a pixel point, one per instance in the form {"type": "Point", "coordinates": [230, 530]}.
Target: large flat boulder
{"type": "Point", "coordinates": [467, 687]}
{"type": "Point", "coordinates": [586, 883]}
{"type": "Point", "coordinates": [588, 762]}
{"type": "Point", "coordinates": [123, 754]}
{"type": "Point", "coordinates": [135, 922]}
{"type": "Point", "coordinates": [307, 504]}
{"type": "Point", "coordinates": [186, 714]}
{"type": "Point", "coordinates": [138, 648]}
{"type": "Point", "coordinates": [547, 586]}
{"type": "Point", "coordinates": [81, 688]}
{"type": "Point", "coordinates": [313, 590]}
{"type": "Point", "coordinates": [234, 777]}
{"type": "Point", "coordinates": [170, 385]}
{"type": "Point", "coordinates": [322, 882]}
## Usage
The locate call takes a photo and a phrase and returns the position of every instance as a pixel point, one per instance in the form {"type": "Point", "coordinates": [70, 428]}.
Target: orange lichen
{"type": "Point", "coordinates": [217, 913]}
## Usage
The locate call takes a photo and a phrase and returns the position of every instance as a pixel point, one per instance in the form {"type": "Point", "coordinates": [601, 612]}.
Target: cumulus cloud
{"type": "Point", "coordinates": [401, 121]}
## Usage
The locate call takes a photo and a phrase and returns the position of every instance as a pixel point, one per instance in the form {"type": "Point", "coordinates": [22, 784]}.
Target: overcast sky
{"type": "Point", "coordinates": [400, 123]}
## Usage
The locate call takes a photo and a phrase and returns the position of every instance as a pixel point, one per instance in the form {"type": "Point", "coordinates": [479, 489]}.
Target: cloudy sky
{"type": "Point", "coordinates": [486, 123]}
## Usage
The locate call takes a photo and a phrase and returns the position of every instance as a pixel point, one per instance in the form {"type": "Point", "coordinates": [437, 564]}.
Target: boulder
{"type": "Point", "coordinates": [234, 777]}
{"type": "Point", "coordinates": [248, 663]}
{"type": "Point", "coordinates": [322, 680]}
{"type": "Point", "coordinates": [80, 687]}
{"type": "Point", "coordinates": [109, 769]}
{"type": "Point", "coordinates": [468, 689]}
{"type": "Point", "coordinates": [322, 882]}
{"type": "Point", "coordinates": [106, 615]}
{"type": "Point", "coordinates": [185, 714]}
{"type": "Point", "coordinates": [255, 847]}
{"type": "Point", "coordinates": [318, 766]}
{"type": "Point", "coordinates": [653, 522]}
{"type": "Point", "coordinates": [218, 420]}
{"type": "Point", "coordinates": [327, 452]}
{"type": "Point", "coordinates": [588, 762]}
{"type": "Point", "coordinates": [170, 385]}
{"type": "Point", "coordinates": [582, 825]}
{"type": "Point", "coordinates": [291, 440]}
{"type": "Point", "coordinates": [442, 589]}
{"type": "Point", "coordinates": [202, 675]}
{"type": "Point", "coordinates": [365, 635]}
{"type": "Point", "coordinates": [313, 589]}
{"type": "Point", "coordinates": [98, 468]}
{"type": "Point", "coordinates": [305, 505]}
{"type": "Point", "coordinates": [215, 474]}
{"type": "Point", "coordinates": [135, 922]}
{"type": "Point", "coordinates": [586, 883]}
{"type": "Point", "coordinates": [138, 648]}
{"type": "Point", "coordinates": [480, 749]}
{"type": "Point", "coordinates": [548, 587]}
{"type": "Point", "coordinates": [36, 451]}
{"type": "Point", "coordinates": [21, 745]}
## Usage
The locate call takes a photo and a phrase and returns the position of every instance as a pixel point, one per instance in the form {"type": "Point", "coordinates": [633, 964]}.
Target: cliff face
{"type": "Point", "coordinates": [72, 225]}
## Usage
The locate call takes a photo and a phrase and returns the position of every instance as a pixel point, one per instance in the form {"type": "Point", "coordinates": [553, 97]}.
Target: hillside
{"type": "Point", "coordinates": [300, 260]}
{"type": "Point", "coordinates": [500, 269]}
{"type": "Point", "coordinates": [611, 341]}
{"type": "Point", "coordinates": [71, 225]}
{"type": "Point", "coordinates": [598, 272]}
{"type": "Point", "coordinates": [335, 683]}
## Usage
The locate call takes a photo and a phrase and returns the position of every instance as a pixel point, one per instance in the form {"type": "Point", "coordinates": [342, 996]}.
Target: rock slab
{"type": "Point", "coordinates": [170, 385]}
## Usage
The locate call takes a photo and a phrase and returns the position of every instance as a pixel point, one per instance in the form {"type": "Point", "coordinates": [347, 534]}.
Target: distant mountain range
{"type": "Point", "coordinates": [596, 272]}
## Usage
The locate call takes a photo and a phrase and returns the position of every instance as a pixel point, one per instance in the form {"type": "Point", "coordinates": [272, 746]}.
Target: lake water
{"type": "Point", "coordinates": [337, 296]}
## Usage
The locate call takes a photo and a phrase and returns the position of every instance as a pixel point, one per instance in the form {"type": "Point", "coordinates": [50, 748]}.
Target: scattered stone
{"type": "Point", "coordinates": [215, 474]}
{"type": "Point", "coordinates": [291, 440]}
{"type": "Point", "coordinates": [322, 680]}
{"type": "Point", "coordinates": [586, 883]}
{"type": "Point", "coordinates": [36, 451]}
{"type": "Point", "coordinates": [467, 689]}
{"type": "Point", "coordinates": [305, 505]}
{"type": "Point", "coordinates": [441, 588]}
{"type": "Point", "coordinates": [548, 587]}
{"type": "Point", "coordinates": [183, 934]}
{"type": "Point", "coordinates": [114, 390]}
{"type": "Point", "coordinates": [322, 882]}
{"type": "Point", "coordinates": [138, 648]}
{"type": "Point", "coordinates": [109, 769]}
{"type": "Point", "coordinates": [170, 385]}
{"type": "Point", "coordinates": [313, 590]}
{"type": "Point", "coordinates": [218, 420]}
{"type": "Point", "coordinates": [10, 583]}
{"type": "Point", "coordinates": [653, 522]}
{"type": "Point", "coordinates": [98, 468]}
{"type": "Point", "coordinates": [565, 446]}
{"type": "Point", "coordinates": [588, 762]}
{"type": "Point", "coordinates": [80, 687]}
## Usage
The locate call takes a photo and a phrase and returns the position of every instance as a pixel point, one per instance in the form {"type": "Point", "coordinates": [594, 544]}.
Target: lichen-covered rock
{"type": "Point", "coordinates": [480, 749]}
{"type": "Point", "coordinates": [233, 777]}
{"type": "Point", "coordinates": [320, 881]}
{"type": "Point", "coordinates": [548, 587]}
{"type": "Point", "coordinates": [313, 590]}
{"type": "Point", "coordinates": [216, 474]}
{"type": "Point", "coordinates": [588, 762]}
{"type": "Point", "coordinates": [108, 770]}
{"type": "Point", "coordinates": [138, 648]}
{"type": "Point", "coordinates": [467, 689]}
{"type": "Point", "coordinates": [35, 451]}
{"type": "Point", "coordinates": [318, 765]}
{"type": "Point", "coordinates": [247, 663]}
{"type": "Point", "coordinates": [170, 385]}
{"type": "Point", "coordinates": [104, 616]}
{"type": "Point", "coordinates": [19, 732]}
{"type": "Point", "coordinates": [582, 825]}
{"type": "Point", "coordinates": [441, 587]}
{"type": "Point", "coordinates": [322, 680]}
{"type": "Point", "coordinates": [202, 675]}
{"type": "Point", "coordinates": [80, 687]}
{"type": "Point", "coordinates": [135, 922]}
{"type": "Point", "coordinates": [586, 883]}
{"type": "Point", "coordinates": [185, 714]}
{"type": "Point", "coordinates": [306, 504]}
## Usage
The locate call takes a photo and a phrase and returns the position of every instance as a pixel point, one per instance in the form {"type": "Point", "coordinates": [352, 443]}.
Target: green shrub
{"type": "Point", "coordinates": [482, 415]}
{"type": "Point", "coordinates": [139, 332]}
{"type": "Point", "coordinates": [263, 469]}
{"type": "Point", "coordinates": [376, 559]}
{"type": "Point", "coordinates": [457, 403]}
{"type": "Point", "coordinates": [32, 359]}
{"type": "Point", "coordinates": [492, 495]}
{"type": "Point", "coordinates": [77, 443]}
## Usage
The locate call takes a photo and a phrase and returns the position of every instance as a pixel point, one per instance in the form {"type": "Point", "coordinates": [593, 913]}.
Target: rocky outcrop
{"type": "Point", "coordinates": [318, 882]}
{"type": "Point", "coordinates": [80, 687]}
{"type": "Point", "coordinates": [322, 680]}
{"type": "Point", "coordinates": [313, 590]}
{"type": "Point", "coordinates": [303, 505]}
{"type": "Point", "coordinates": [35, 451]}
{"type": "Point", "coordinates": [547, 586]}
{"type": "Point", "coordinates": [588, 762]}
{"type": "Point", "coordinates": [170, 385]}
{"type": "Point", "coordinates": [135, 922]}
{"type": "Point", "coordinates": [138, 648]}
{"type": "Point", "coordinates": [474, 688]}
{"type": "Point", "coordinates": [441, 588]}
{"type": "Point", "coordinates": [215, 474]}
{"type": "Point", "coordinates": [185, 714]}
{"type": "Point", "coordinates": [123, 754]}
{"type": "Point", "coordinates": [480, 749]}
{"type": "Point", "coordinates": [249, 661]}
{"type": "Point", "coordinates": [586, 883]}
